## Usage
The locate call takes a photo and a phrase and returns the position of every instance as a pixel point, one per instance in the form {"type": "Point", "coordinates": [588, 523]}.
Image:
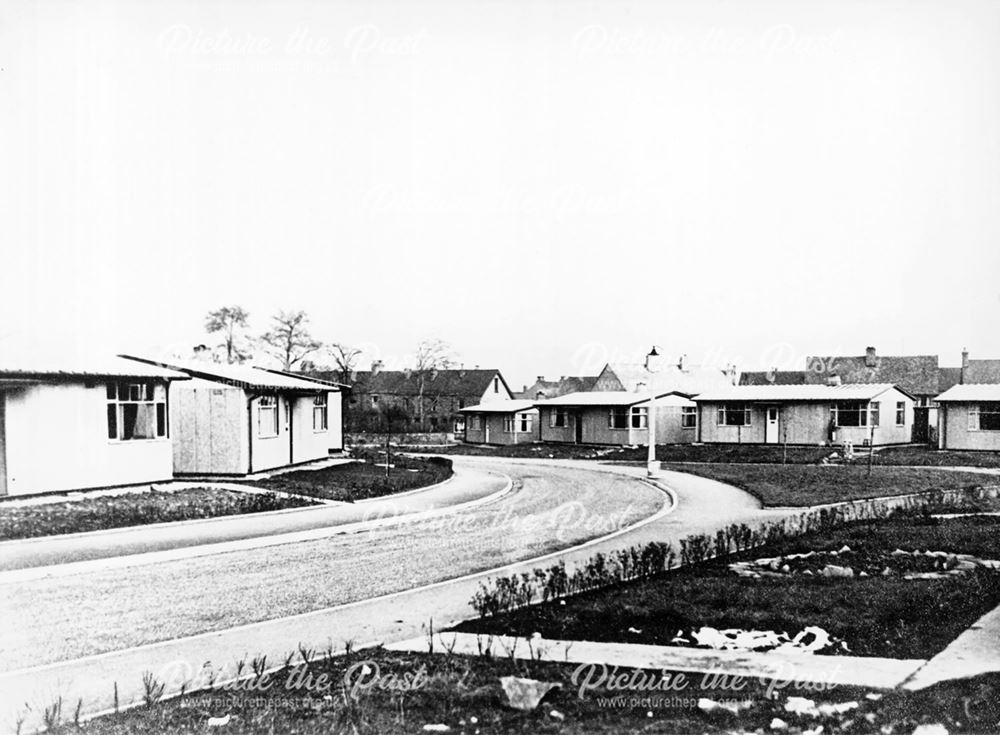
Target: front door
{"type": "Point", "coordinates": [578, 425]}
{"type": "Point", "coordinates": [771, 425]}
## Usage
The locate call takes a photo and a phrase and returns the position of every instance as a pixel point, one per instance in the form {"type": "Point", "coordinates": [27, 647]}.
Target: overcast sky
{"type": "Point", "coordinates": [545, 185]}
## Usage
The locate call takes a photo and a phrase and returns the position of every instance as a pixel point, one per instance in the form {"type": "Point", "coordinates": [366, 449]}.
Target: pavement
{"type": "Point", "coordinates": [703, 505]}
{"type": "Point", "coordinates": [976, 651]}
{"type": "Point", "coordinates": [467, 485]}
{"type": "Point", "coordinates": [781, 670]}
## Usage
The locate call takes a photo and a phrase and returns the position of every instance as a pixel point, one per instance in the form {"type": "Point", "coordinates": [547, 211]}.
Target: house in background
{"type": "Point", "coordinates": [773, 377]}
{"type": "Point", "coordinates": [501, 422]}
{"type": "Point", "coordinates": [975, 372]}
{"type": "Point", "coordinates": [969, 417]}
{"type": "Point", "coordinates": [680, 377]}
{"type": "Point", "coordinates": [616, 418]}
{"type": "Point", "coordinates": [879, 414]}
{"type": "Point", "coordinates": [917, 375]}
{"type": "Point", "coordinates": [438, 396]}
{"type": "Point", "coordinates": [237, 419]}
{"type": "Point", "coordinates": [542, 388]}
{"type": "Point", "coordinates": [83, 424]}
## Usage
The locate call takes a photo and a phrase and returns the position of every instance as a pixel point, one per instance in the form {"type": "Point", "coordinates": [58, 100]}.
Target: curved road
{"type": "Point", "coordinates": [84, 632]}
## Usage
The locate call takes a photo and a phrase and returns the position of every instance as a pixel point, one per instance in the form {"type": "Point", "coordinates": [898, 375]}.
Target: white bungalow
{"type": "Point", "coordinates": [969, 417]}
{"type": "Point", "coordinates": [75, 425]}
{"type": "Point", "coordinates": [501, 422]}
{"type": "Point", "coordinates": [616, 418]}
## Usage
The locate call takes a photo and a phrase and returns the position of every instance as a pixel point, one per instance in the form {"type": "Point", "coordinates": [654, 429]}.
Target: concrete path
{"type": "Point", "coordinates": [467, 485]}
{"type": "Point", "coordinates": [703, 505]}
{"type": "Point", "coordinates": [974, 652]}
{"type": "Point", "coordinates": [781, 669]}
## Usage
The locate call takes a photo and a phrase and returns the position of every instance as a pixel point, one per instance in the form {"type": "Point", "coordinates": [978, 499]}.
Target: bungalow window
{"type": "Point", "coordinates": [618, 418]}
{"type": "Point", "coordinates": [984, 417]}
{"type": "Point", "coordinates": [525, 421]}
{"type": "Point", "coordinates": [474, 423]}
{"type": "Point", "coordinates": [851, 413]}
{"type": "Point", "coordinates": [559, 418]}
{"type": "Point", "coordinates": [496, 385]}
{"type": "Point", "coordinates": [640, 417]}
{"type": "Point", "coordinates": [267, 416]}
{"type": "Point", "coordinates": [136, 411]}
{"type": "Point", "coordinates": [874, 410]}
{"type": "Point", "coordinates": [900, 413]}
{"type": "Point", "coordinates": [508, 424]}
{"type": "Point", "coordinates": [734, 414]}
{"type": "Point", "coordinates": [319, 413]}
{"type": "Point", "coordinates": [689, 417]}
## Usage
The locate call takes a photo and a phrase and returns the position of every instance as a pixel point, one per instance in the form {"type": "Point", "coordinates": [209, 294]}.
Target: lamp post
{"type": "Point", "coordinates": [652, 365]}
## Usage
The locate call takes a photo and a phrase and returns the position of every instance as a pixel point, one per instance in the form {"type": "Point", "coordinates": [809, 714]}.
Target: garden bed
{"type": "Point", "coordinates": [804, 485]}
{"type": "Point", "coordinates": [886, 616]}
{"type": "Point", "coordinates": [365, 478]}
{"type": "Point", "coordinates": [380, 692]}
{"type": "Point", "coordinates": [134, 508]}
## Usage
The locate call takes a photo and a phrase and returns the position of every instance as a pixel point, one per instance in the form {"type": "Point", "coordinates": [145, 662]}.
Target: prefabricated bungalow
{"type": "Point", "coordinates": [238, 420]}
{"type": "Point", "coordinates": [862, 414]}
{"type": "Point", "coordinates": [969, 417]}
{"type": "Point", "coordinates": [616, 418]}
{"type": "Point", "coordinates": [83, 424]}
{"type": "Point", "coordinates": [503, 422]}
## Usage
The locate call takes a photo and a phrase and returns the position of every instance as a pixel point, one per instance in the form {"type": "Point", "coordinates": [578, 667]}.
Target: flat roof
{"type": "Point", "coordinates": [500, 407]}
{"type": "Point", "coordinates": [241, 376]}
{"type": "Point", "coordinates": [971, 392]}
{"type": "Point", "coordinates": [844, 392]}
{"type": "Point", "coordinates": [103, 367]}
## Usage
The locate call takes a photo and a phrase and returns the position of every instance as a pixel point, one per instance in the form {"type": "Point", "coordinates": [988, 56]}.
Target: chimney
{"type": "Point", "coordinates": [870, 359]}
{"type": "Point", "coordinates": [653, 360]}
{"type": "Point", "coordinates": [965, 365]}
{"type": "Point", "coordinates": [541, 378]}
{"type": "Point", "coordinates": [833, 379]}
{"type": "Point", "coordinates": [680, 362]}
{"type": "Point", "coordinates": [377, 366]}
{"type": "Point", "coordinates": [733, 375]}
{"type": "Point", "coordinates": [772, 375]}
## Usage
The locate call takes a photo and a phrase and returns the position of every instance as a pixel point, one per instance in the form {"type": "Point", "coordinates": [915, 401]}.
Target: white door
{"type": "Point", "coordinates": [771, 425]}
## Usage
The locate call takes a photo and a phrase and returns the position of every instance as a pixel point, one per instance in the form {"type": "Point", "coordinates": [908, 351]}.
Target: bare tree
{"type": "Point", "coordinates": [346, 358]}
{"type": "Point", "coordinates": [232, 323]}
{"type": "Point", "coordinates": [431, 355]}
{"type": "Point", "coordinates": [289, 339]}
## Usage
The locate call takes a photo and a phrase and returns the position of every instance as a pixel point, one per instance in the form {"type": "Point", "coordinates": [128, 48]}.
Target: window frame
{"type": "Point", "coordinates": [559, 418]}
{"type": "Point", "coordinates": [320, 410]}
{"type": "Point", "coordinates": [616, 415]}
{"type": "Point", "coordinates": [268, 403]}
{"type": "Point", "coordinates": [689, 412]}
{"type": "Point", "coordinates": [861, 410]}
{"type": "Point", "coordinates": [727, 413]}
{"type": "Point", "coordinates": [638, 417]}
{"type": "Point", "coordinates": [143, 393]}
{"type": "Point", "coordinates": [900, 413]}
{"type": "Point", "coordinates": [976, 413]}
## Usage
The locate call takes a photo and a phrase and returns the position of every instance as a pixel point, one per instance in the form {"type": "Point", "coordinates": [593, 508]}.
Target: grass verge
{"type": "Point", "coordinates": [133, 509]}
{"type": "Point", "coordinates": [807, 485]}
{"type": "Point", "coordinates": [876, 616]}
{"type": "Point", "coordinates": [363, 479]}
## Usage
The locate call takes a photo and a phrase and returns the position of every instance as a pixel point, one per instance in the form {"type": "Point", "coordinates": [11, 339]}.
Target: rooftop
{"type": "Point", "coordinates": [501, 407]}
{"type": "Point", "coordinates": [844, 392]}
{"type": "Point", "coordinates": [241, 376]}
{"type": "Point", "coordinates": [971, 392]}
{"type": "Point", "coordinates": [103, 367]}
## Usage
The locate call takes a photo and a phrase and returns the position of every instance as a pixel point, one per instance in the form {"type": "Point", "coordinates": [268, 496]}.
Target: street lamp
{"type": "Point", "coordinates": [652, 366]}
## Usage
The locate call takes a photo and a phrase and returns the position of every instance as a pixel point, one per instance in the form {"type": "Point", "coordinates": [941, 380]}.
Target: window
{"type": "Point", "coordinates": [461, 403]}
{"type": "Point", "coordinates": [136, 411]}
{"type": "Point", "coordinates": [689, 417]}
{"type": "Point", "coordinates": [874, 409]}
{"type": "Point", "coordinates": [319, 413]}
{"type": "Point", "coordinates": [559, 418]}
{"type": "Point", "coordinates": [984, 417]}
{"type": "Point", "coordinates": [508, 424]}
{"type": "Point", "coordinates": [734, 414]}
{"type": "Point", "coordinates": [496, 385]}
{"type": "Point", "coordinates": [475, 422]}
{"type": "Point", "coordinates": [374, 401]}
{"type": "Point", "coordinates": [524, 419]}
{"type": "Point", "coordinates": [267, 416]}
{"type": "Point", "coordinates": [900, 413]}
{"type": "Point", "coordinates": [851, 413]}
{"type": "Point", "coordinates": [640, 417]}
{"type": "Point", "coordinates": [618, 418]}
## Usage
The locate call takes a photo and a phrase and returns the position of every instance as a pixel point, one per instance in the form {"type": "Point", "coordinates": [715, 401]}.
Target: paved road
{"type": "Point", "coordinates": [66, 636]}
{"type": "Point", "coordinates": [467, 485]}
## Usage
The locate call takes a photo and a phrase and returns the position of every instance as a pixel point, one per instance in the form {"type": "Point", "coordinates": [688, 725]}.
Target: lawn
{"type": "Point", "coordinates": [936, 458]}
{"type": "Point", "coordinates": [376, 691]}
{"type": "Point", "coordinates": [363, 479]}
{"type": "Point", "coordinates": [806, 485]}
{"type": "Point", "coordinates": [133, 509]}
{"type": "Point", "coordinates": [875, 615]}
